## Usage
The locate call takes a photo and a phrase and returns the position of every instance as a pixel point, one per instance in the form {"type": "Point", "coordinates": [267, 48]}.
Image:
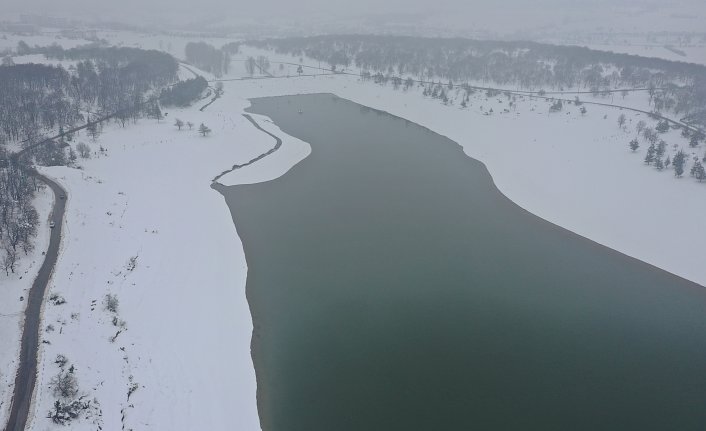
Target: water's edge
{"type": "Point", "coordinates": [624, 260]}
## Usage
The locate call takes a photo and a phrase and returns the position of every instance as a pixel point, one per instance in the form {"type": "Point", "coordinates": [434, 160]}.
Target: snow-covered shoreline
{"type": "Point", "coordinates": [183, 326]}
{"type": "Point", "coordinates": [573, 170]}
{"type": "Point", "coordinates": [183, 320]}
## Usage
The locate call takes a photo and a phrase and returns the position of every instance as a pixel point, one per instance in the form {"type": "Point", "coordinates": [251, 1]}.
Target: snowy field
{"type": "Point", "coordinates": [143, 224]}
{"type": "Point", "coordinates": [14, 287]}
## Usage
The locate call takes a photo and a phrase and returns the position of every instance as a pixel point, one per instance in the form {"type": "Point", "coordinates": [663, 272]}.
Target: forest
{"type": "Point", "coordinates": [39, 99]}
{"type": "Point", "coordinates": [183, 93]}
{"type": "Point", "coordinates": [18, 217]}
{"type": "Point", "coordinates": [209, 58]}
{"type": "Point", "coordinates": [675, 87]}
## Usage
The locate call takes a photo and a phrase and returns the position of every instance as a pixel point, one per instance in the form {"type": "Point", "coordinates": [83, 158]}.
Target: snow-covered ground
{"type": "Point", "coordinates": [144, 225]}
{"type": "Point", "coordinates": [185, 321]}
{"type": "Point", "coordinates": [12, 288]}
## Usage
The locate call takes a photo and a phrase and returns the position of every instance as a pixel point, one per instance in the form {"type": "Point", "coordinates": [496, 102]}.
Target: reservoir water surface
{"type": "Point", "coordinates": [393, 287]}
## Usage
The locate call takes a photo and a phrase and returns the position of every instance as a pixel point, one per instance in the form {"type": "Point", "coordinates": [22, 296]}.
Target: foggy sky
{"type": "Point", "coordinates": [501, 14]}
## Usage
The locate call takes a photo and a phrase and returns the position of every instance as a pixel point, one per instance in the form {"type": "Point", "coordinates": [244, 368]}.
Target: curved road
{"type": "Point", "coordinates": [27, 369]}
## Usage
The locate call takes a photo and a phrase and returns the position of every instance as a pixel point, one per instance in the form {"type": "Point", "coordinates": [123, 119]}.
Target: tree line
{"type": "Point", "coordinates": [183, 93]}
{"type": "Point", "coordinates": [673, 86]}
{"type": "Point", "coordinates": [38, 99]}
{"type": "Point", "coordinates": [208, 58]}
{"type": "Point", "coordinates": [18, 217]}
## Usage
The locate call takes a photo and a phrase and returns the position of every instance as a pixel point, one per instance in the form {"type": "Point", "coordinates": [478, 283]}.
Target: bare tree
{"type": "Point", "coordinates": [250, 65]}
{"type": "Point", "coordinates": [111, 303]}
{"type": "Point", "coordinates": [204, 130]}
{"type": "Point", "coordinates": [93, 130]}
{"type": "Point", "coordinates": [9, 260]}
{"type": "Point", "coordinates": [621, 120]}
{"type": "Point", "coordinates": [64, 385]}
{"type": "Point", "coordinates": [640, 126]}
{"type": "Point", "coordinates": [263, 63]}
{"type": "Point", "coordinates": [83, 150]}
{"type": "Point", "coordinates": [179, 124]}
{"type": "Point", "coordinates": [650, 135]}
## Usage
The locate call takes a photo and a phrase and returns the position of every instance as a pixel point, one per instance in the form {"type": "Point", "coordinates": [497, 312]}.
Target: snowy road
{"type": "Point", "coordinates": [27, 370]}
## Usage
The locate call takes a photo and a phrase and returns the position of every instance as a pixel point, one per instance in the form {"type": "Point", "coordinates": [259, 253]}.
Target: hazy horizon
{"type": "Point", "coordinates": [511, 16]}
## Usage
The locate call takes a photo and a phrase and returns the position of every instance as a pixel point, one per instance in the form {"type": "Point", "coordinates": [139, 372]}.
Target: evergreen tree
{"type": "Point", "coordinates": [659, 164]}
{"type": "Point", "coordinates": [662, 126]}
{"type": "Point", "coordinates": [698, 171]}
{"type": "Point", "coordinates": [634, 145]}
{"type": "Point", "coordinates": [93, 131]}
{"type": "Point", "coordinates": [678, 162]}
{"type": "Point", "coordinates": [650, 156]}
{"type": "Point", "coordinates": [183, 93]}
{"type": "Point", "coordinates": [667, 162]}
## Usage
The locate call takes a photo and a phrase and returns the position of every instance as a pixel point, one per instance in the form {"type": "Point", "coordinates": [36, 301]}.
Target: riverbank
{"type": "Point", "coordinates": [144, 226]}
{"type": "Point", "coordinates": [574, 170]}
{"type": "Point", "coordinates": [387, 270]}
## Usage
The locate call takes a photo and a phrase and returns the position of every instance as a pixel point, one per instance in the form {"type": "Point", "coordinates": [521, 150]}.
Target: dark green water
{"type": "Point", "coordinates": [393, 287]}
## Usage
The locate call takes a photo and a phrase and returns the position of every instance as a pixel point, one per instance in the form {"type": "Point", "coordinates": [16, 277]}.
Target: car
{"type": "Point", "coordinates": [62, 197]}
{"type": "Point", "coordinates": [51, 224]}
